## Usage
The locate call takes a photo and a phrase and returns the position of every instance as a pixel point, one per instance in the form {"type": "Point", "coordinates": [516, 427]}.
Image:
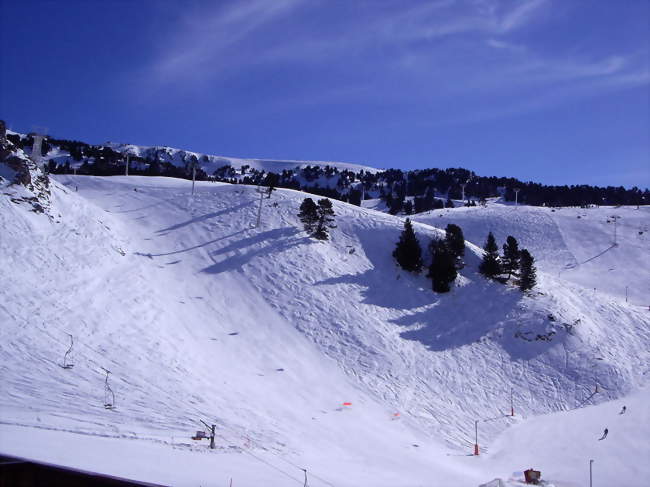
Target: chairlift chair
{"type": "Point", "coordinates": [200, 435]}
{"type": "Point", "coordinates": [109, 395]}
{"type": "Point", "coordinates": [68, 365]}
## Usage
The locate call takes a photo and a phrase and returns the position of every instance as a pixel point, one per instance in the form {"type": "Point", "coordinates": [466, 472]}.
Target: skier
{"type": "Point", "coordinates": [623, 410]}
{"type": "Point", "coordinates": [604, 434]}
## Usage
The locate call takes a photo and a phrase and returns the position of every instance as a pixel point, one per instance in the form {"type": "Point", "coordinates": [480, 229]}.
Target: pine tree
{"type": "Point", "coordinates": [528, 273]}
{"type": "Point", "coordinates": [490, 266]}
{"type": "Point", "coordinates": [325, 221]}
{"type": "Point", "coordinates": [455, 240]}
{"type": "Point", "coordinates": [442, 270]}
{"type": "Point", "coordinates": [309, 215]}
{"type": "Point", "coordinates": [510, 256]}
{"type": "Point", "coordinates": [408, 252]}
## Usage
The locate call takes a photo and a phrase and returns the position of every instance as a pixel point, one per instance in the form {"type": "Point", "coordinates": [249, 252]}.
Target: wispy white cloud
{"type": "Point", "coordinates": [205, 35]}
{"type": "Point", "coordinates": [432, 49]}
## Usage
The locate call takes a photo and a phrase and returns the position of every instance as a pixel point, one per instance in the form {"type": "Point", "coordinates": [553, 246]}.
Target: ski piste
{"type": "Point", "coordinates": [197, 314]}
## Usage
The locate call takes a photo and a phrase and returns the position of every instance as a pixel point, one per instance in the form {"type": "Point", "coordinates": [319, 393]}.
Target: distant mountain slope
{"type": "Point", "coordinates": [401, 191]}
{"type": "Point", "coordinates": [573, 244]}
{"type": "Point", "coordinates": [210, 163]}
{"type": "Point", "coordinates": [266, 332]}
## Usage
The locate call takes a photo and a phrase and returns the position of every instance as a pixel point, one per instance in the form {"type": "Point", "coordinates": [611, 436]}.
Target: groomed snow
{"type": "Point", "coordinates": [267, 333]}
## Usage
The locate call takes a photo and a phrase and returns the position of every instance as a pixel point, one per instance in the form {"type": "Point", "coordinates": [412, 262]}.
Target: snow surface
{"type": "Point", "coordinates": [267, 333]}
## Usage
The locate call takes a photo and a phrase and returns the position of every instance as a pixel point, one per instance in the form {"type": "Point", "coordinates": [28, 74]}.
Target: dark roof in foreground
{"type": "Point", "coordinates": [23, 472]}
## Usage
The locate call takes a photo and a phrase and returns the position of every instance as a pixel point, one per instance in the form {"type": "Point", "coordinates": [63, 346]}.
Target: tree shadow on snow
{"type": "Point", "coordinates": [193, 247]}
{"type": "Point", "coordinates": [205, 217]}
{"type": "Point", "coordinates": [261, 244]}
{"type": "Point", "coordinates": [385, 284]}
{"type": "Point", "coordinates": [469, 313]}
{"type": "Point", "coordinates": [461, 317]}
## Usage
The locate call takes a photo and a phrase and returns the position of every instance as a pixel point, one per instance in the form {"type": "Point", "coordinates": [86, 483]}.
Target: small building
{"type": "Point", "coordinates": [22, 472]}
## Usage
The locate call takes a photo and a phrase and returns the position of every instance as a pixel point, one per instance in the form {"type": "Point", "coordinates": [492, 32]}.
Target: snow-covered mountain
{"type": "Point", "coordinates": [316, 355]}
{"type": "Point", "coordinates": [209, 163]}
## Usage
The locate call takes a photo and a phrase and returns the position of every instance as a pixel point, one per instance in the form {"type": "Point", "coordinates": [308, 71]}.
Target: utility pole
{"type": "Point", "coordinates": [476, 437]}
{"type": "Point", "coordinates": [212, 434]}
{"type": "Point", "coordinates": [516, 190]}
{"type": "Point", "coordinates": [126, 169]}
{"type": "Point", "coordinates": [462, 187]}
{"type": "Point", "coordinates": [591, 478]}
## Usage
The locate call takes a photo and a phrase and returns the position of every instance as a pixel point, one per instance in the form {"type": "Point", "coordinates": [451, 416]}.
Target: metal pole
{"type": "Point", "coordinates": [212, 434]}
{"type": "Point", "coordinates": [305, 470]}
{"type": "Point", "coordinates": [591, 462]}
{"type": "Point", "coordinates": [126, 169]}
{"type": "Point", "coordinates": [512, 404]}
{"type": "Point", "coordinates": [193, 176]}
{"type": "Point", "coordinates": [626, 294]}
{"type": "Point", "coordinates": [476, 437]}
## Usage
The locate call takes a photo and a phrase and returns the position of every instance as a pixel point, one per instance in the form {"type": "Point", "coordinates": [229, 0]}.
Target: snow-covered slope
{"type": "Point", "coordinates": [267, 333]}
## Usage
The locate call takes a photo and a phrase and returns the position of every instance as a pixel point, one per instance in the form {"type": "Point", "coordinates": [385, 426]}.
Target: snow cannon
{"type": "Point", "coordinates": [532, 476]}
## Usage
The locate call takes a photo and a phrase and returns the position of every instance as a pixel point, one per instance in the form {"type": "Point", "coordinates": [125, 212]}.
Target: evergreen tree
{"type": "Point", "coordinates": [455, 240]}
{"type": "Point", "coordinates": [510, 256]}
{"type": "Point", "coordinates": [325, 221]}
{"type": "Point", "coordinates": [442, 270]}
{"type": "Point", "coordinates": [408, 252]}
{"type": "Point", "coordinates": [490, 266]}
{"type": "Point", "coordinates": [309, 215]}
{"type": "Point", "coordinates": [528, 274]}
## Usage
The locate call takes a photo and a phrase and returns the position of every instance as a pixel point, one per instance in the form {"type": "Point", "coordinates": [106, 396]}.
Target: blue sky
{"type": "Point", "coordinates": [555, 91]}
